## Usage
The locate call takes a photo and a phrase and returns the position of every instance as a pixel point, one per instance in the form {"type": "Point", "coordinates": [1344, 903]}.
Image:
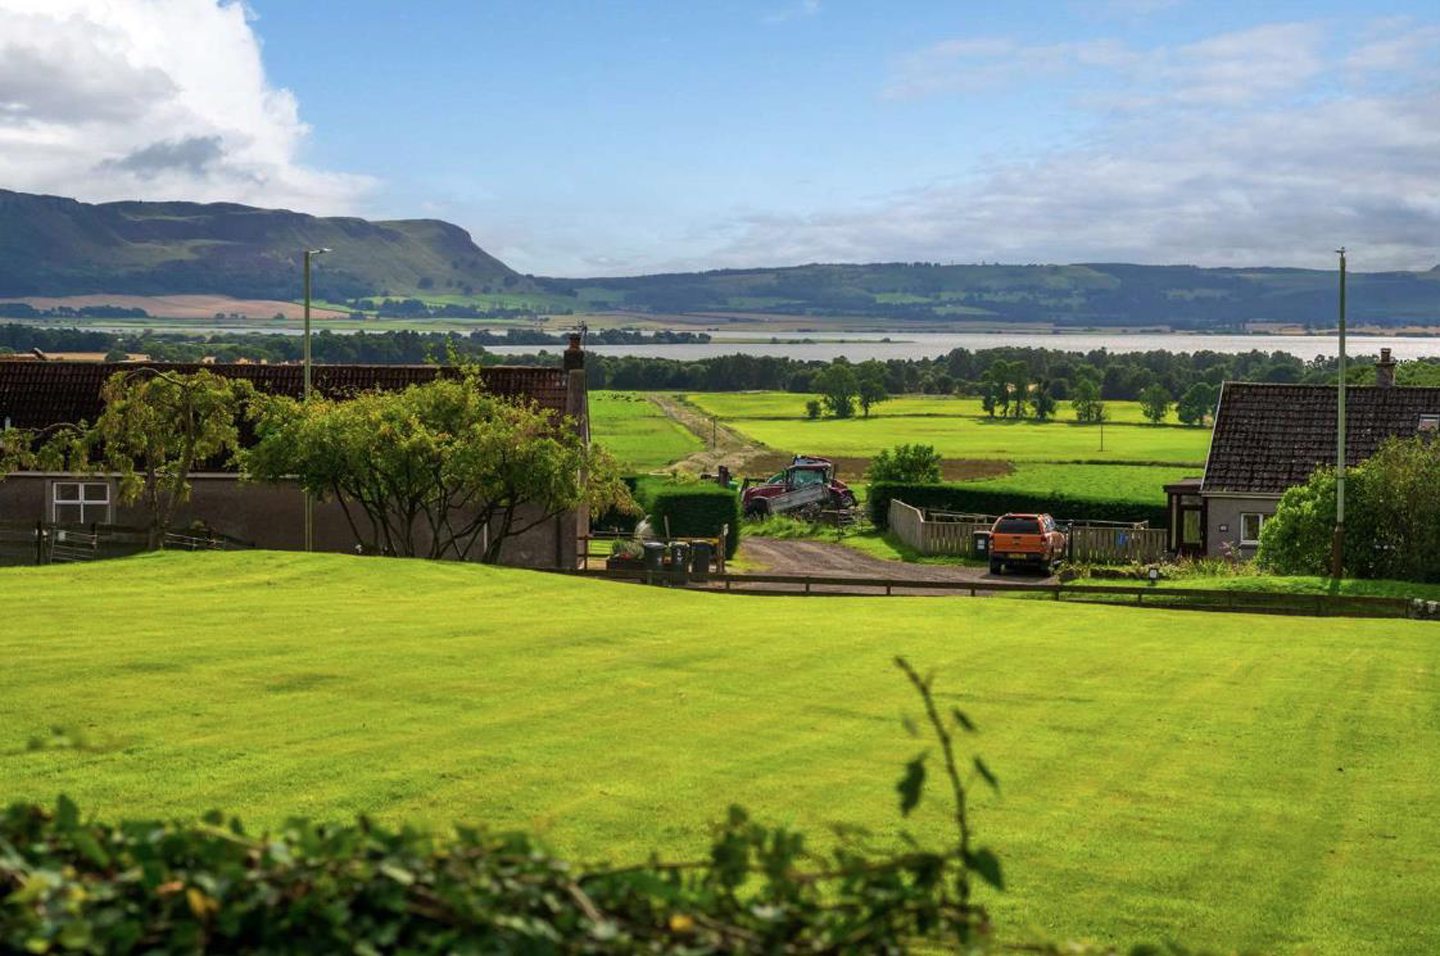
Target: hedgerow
{"type": "Point", "coordinates": [698, 510]}
{"type": "Point", "coordinates": [971, 499]}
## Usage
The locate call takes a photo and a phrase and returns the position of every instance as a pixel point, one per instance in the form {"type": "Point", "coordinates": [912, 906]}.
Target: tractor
{"type": "Point", "coordinates": [807, 486]}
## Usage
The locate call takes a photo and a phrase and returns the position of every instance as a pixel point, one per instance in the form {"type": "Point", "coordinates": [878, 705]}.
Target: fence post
{"type": "Point", "coordinates": [39, 543]}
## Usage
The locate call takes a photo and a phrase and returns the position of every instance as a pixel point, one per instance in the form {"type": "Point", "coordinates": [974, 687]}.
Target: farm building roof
{"type": "Point", "coordinates": [1270, 437]}
{"type": "Point", "coordinates": [40, 394]}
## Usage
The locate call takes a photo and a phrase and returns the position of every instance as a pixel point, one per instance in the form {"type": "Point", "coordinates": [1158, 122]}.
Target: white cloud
{"type": "Point", "coordinates": [1227, 69]}
{"type": "Point", "coordinates": [794, 11]}
{"type": "Point", "coordinates": [151, 99]}
{"type": "Point", "coordinates": [1252, 148]}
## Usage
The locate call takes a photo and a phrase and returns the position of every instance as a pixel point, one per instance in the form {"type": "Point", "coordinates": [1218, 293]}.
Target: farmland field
{"type": "Point", "coordinates": [637, 432]}
{"type": "Point", "coordinates": [1225, 781]}
{"type": "Point", "coordinates": [1140, 483]}
{"type": "Point", "coordinates": [737, 406]}
{"type": "Point", "coordinates": [956, 428]}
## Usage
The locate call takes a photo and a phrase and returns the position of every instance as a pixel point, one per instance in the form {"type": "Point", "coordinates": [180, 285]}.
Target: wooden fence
{"type": "Point", "coordinates": [1142, 595]}
{"type": "Point", "coordinates": [43, 542]}
{"type": "Point", "coordinates": [956, 536]}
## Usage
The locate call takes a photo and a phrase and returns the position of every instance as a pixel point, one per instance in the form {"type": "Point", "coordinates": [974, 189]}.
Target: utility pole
{"type": "Point", "coordinates": [1337, 541]}
{"type": "Point", "coordinates": [305, 361]}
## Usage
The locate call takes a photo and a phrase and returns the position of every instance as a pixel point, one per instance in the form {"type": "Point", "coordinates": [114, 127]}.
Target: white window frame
{"type": "Point", "coordinates": [85, 501]}
{"type": "Point", "coordinates": [1260, 518]}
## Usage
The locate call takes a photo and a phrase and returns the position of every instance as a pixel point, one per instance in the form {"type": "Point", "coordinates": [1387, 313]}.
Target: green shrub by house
{"type": "Point", "coordinates": [970, 499]}
{"type": "Point", "coordinates": [698, 511]}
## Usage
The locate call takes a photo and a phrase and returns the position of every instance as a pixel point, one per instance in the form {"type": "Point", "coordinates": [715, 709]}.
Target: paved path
{"type": "Point", "coordinates": [826, 559]}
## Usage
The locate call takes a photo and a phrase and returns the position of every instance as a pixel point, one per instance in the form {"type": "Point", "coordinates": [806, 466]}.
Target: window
{"type": "Point", "coordinates": [80, 502]}
{"type": "Point", "coordinates": [1011, 525]}
{"type": "Point", "coordinates": [1250, 525]}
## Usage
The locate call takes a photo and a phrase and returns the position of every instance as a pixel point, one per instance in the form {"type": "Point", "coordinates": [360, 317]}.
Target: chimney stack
{"type": "Point", "coordinates": [1385, 370]}
{"type": "Point", "coordinates": [574, 355]}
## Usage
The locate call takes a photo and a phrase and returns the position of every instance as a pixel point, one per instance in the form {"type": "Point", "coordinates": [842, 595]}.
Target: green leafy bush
{"type": "Point", "coordinates": [698, 511]}
{"type": "Point", "coordinates": [1390, 528]}
{"type": "Point", "coordinates": [972, 499]}
{"type": "Point", "coordinates": [907, 464]}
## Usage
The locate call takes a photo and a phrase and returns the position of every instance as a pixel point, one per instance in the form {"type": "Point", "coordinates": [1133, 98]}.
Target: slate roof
{"type": "Point", "coordinates": [1270, 437]}
{"type": "Point", "coordinates": [38, 394]}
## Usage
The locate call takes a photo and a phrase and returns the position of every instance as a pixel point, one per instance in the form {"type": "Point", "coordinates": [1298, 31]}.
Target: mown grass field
{"type": "Point", "coordinates": [637, 432]}
{"type": "Point", "coordinates": [1233, 782]}
{"type": "Point", "coordinates": [786, 405]}
{"type": "Point", "coordinates": [1142, 483]}
{"type": "Point", "coordinates": [957, 428]}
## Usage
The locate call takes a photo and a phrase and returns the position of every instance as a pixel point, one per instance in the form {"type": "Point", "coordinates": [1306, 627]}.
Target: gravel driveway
{"type": "Point", "coordinates": [826, 559]}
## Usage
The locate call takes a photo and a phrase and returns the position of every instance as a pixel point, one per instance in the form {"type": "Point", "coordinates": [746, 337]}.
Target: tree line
{"type": "Point", "coordinates": [1117, 376]}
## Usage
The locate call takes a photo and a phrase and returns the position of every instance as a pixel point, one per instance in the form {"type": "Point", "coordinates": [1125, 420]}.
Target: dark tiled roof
{"type": "Point", "coordinates": [1270, 437]}
{"type": "Point", "coordinates": [38, 394]}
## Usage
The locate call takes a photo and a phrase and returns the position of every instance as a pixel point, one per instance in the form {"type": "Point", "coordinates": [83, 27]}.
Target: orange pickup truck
{"type": "Point", "coordinates": [1028, 540]}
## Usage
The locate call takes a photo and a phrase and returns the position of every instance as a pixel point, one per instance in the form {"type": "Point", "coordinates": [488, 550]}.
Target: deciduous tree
{"type": "Point", "coordinates": [156, 427]}
{"type": "Point", "coordinates": [838, 389]}
{"type": "Point", "coordinates": [1155, 403]}
{"type": "Point", "coordinates": [437, 470]}
{"type": "Point", "coordinates": [1197, 404]}
{"type": "Point", "coordinates": [871, 390]}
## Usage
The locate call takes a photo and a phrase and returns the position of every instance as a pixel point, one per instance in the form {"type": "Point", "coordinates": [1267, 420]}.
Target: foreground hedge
{"type": "Point", "coordinates": [973, 499]}
{"type": "Point", "coordinates": [698, 511]}
{"type": "Point", "coordinates": [73, 885]}
{"type": "Point", "coordinates": [68, 885]}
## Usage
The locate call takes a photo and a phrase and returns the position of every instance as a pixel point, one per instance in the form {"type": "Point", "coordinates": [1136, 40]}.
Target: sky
{"type": "Point", "coordinates": [612, 138]}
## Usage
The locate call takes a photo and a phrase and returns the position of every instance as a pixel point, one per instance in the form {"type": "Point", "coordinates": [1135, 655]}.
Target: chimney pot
{"type": "Point", "coordinates": [574, 355]}
{"type": "Point", "coordinates": [1385, 370]}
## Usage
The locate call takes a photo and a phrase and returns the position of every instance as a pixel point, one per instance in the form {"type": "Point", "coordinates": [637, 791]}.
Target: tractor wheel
{"type": "Point", "coordinates": [758, 510]}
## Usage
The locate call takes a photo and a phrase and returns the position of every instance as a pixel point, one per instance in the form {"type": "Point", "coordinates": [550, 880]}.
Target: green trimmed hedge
{"type": "Point", "coordinates": [979, 500]}
{"type": "Point", "coordinates": [698, 511]}
{"type": "Point", "coordinates": [72, 885]}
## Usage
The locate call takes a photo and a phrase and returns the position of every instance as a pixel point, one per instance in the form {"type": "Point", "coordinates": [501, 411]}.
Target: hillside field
{"type": "Point", "coordinates": [957, 428]}
{"type": "Point", "coordinates": [1226, 781]}
{"type": "Point", "coordinates": [634, 429]}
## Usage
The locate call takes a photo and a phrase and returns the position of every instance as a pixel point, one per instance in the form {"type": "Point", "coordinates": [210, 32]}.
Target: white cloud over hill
{"type": "Point", "coordinates": [153, 99]}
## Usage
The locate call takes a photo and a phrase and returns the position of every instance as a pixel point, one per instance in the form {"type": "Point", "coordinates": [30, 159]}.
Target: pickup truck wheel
{"type": "Point", "coordinates": [997, 567]}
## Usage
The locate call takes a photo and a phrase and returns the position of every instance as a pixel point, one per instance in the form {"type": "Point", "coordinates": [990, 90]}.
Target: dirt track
{"type": "Point", "coordinates": [824, 559]}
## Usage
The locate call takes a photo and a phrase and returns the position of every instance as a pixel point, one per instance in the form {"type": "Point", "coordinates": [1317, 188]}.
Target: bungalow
{"type": "Point", "coordinates": [1268, 438]}
{"type": "Point", "coordinates": [36, 395]}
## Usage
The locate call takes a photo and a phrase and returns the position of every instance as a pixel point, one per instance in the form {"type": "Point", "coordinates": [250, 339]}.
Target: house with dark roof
{"type": "Point", "coordinates": [1268, 438]}
{"type": "Point", "coordinates": [41, 394]}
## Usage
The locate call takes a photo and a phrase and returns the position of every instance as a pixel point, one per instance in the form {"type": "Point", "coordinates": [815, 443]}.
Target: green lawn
{"type": "Point", "coordinates": [637, 432]}
{"type": "Point", "coordinates": [1226, 781]}
{"type": "Point", "coordinates": [955, 427]}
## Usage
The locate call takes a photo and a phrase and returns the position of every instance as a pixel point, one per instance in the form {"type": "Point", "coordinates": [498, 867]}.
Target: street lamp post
{"type": "Point", "coordinates": [305, 360]}
{"type": "Point", "coordinates": [1337, 540]}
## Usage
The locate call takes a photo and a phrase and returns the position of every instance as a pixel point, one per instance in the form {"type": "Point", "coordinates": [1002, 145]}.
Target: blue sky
{"type": "Point", "coordinates": [601, 138]}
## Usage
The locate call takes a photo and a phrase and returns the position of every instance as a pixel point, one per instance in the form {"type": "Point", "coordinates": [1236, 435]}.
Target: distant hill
{"type": "Point", "coordinates": [53, 246]}
{"type": "Point", "coordinates": [1084, 295]}
{"type": "Point", "coordinates": [50, 246]}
